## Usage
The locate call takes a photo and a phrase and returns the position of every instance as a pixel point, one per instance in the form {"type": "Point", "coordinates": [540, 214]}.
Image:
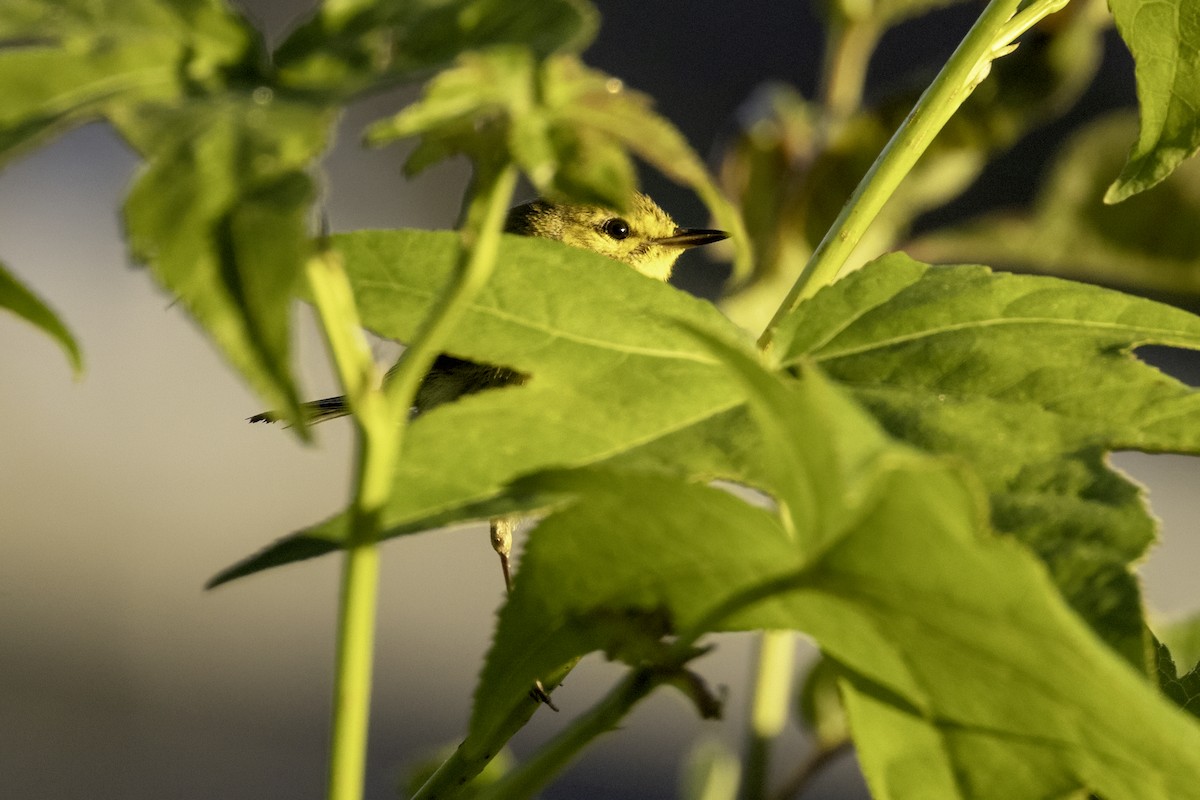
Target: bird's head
{"type": "Point", "coordinates": [644, 237]}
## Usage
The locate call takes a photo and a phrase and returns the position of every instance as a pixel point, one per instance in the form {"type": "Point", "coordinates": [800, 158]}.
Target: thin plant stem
{"type": "Point", "coordinates": [601, 718]}
{"type": "Point", "coordinates": [771, 699]}
{"type": "Point", "coordinates": [471, 756]}
{"type": "Point", "coordinates": [953, 84]}
{"type": "Point", "coordinates": [533, 774]}
{"type": "Point", "coordinates": [334, 301]}
{"type": "Point", "coordinates": [380, 419]}
{"type": "Point", "coordinates": [483, 224]}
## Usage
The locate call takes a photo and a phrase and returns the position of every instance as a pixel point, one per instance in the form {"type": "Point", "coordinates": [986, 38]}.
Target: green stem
{"type": "Point", "coordinates": [949, 89]}
{"type": "Point", "coordinates": [472, 756]}
{"type": "Point", "coordinates": [484, 222]}
{"type": "Point", "coordinates": [334, 300]}
{"type": "Point", "coordinates": [352, 682]}
{"type": "Point", "coordinates": [380, 418]}
{"type": "Point", "coordinates": [768, 714]}
{"type": "Point", "coordinates": [603, 717]}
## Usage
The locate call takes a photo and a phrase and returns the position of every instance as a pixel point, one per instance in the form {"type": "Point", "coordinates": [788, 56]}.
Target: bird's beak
{"type": "Point", "coordinates": [692, 237]}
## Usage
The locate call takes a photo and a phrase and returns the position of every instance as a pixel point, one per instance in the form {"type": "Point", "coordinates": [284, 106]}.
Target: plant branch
{"type": "Point", "coordinates": [483, 224]}
{"type": "Point", "coordinates": [954, 83]}
{"type": "Point", "coordinates": [472, 756]}
{"type": "Point", "coordinates": [380, 419]}
{"type": "Point", "coordinates": [603, 717]}
{"type": "Point", "coordinates": [334, 301]}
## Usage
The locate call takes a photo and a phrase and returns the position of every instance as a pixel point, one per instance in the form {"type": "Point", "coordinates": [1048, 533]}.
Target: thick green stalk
{"type": "Point", "coordinates": [957, 79]}
{"type": "Point", "coordinates": [380, 418]}
{"type": "Point", "coordinates": [351, 356]}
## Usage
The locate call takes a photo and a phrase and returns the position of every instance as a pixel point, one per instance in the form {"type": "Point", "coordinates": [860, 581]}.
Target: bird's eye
{"type": "Point", "coordinates": [616, 228]}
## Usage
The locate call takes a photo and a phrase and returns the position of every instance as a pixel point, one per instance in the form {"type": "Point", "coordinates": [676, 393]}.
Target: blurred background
{"type": "Point", "coordinates": [120, 494]}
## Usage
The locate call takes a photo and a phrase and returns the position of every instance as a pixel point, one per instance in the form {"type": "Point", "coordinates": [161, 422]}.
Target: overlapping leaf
{"type": "Point", "coordinates": [611, 374]}
{"type": "Point", "coordinates": [219, 214]}
{"type": "Point", "coordinates": [66, 62]}
{"type": "Point", "coordinates": [351, 46]}
{"type": "Point", "coordinates": [1031, 381]}
{"type": "Point", "coordinates": [1183, 689]}
{"type": "Point", "coordinates": [1164, 38]}
{"type": "Point", "coordinates": [15, 297]}
{"type": "Point", "coordinates": [970, 676]}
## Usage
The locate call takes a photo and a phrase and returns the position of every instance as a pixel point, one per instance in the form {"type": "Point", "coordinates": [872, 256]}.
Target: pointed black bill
{"type": "Point", "coordinates": [693, 237]}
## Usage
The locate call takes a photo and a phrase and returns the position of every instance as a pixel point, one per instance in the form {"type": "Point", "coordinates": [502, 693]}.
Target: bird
{"type": "Point", "coordinates": [643, 237]}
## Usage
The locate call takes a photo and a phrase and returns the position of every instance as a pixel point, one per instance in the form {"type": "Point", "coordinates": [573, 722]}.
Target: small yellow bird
{"type": "Point", "coordinates": [645, 238]}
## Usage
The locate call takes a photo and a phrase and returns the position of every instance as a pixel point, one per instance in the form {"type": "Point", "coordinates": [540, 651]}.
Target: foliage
{"type": "Point", "coordinates": [934, 439]}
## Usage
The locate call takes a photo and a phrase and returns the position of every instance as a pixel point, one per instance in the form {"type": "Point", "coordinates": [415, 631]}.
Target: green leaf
{"type": "Point", "coordinates": [348, 47]}
{"type": "Point", "coordinates": [1164, 38]}
{"type": "Point", "coordinates": [569, 128]}
{"type": "Point", "coordinates": [1182, 636]}
{"type": "Point", "coordinates": [64, 63]}
{"type": "Point", "coordinates": [1030, 380]}
{"type": "Point", "coordinates": [612, 375]}
{"type": "Point", "coordinates": [1150, 242]}
{"type": "Point", "coordinates": [1184, 690]}
{"type": "Point", "coordinates": [971, 677]}
{"type": "Point", "coordinates": [25, 304]}
{"type": "Point", "coordinates": [219, 215]}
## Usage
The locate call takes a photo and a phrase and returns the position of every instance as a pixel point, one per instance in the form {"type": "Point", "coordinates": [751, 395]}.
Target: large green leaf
{"type": "Point", "coordinates": [968, 675]}
{"type": "Point", "coordinates": [1149, 242]}
{"type": "Point", "coordinates": [63, 63]}
{"type": "Point", "coordinates": [219, 214]}
{"type": "Point", "coordinates": [351, 46]}
{"type": "Point", "coordinates": [1031, 381]}
{"type": "Point", "coordinates": [611, 374]}
{"type": "Point", "coordinates": [15, 297]}
{"type": "Point", "coordinates": [1164, 38]}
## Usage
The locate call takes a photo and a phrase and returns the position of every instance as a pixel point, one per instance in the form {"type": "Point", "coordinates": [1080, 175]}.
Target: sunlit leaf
{"type": "Point", "coordinates": [348, 47]}
{"type": "Point", "coordinates": [1031, 381]}
{"type": "Point", "coordinates": [66, 62]}
{"type": "Point", "coordinates": [1164, 38]}
{"type": "Point", "coordinates": [219, 215]}
{"type": "Point", "coordinates": [612, 375]}
{"type": "Point", "coordinates": [964, 661]}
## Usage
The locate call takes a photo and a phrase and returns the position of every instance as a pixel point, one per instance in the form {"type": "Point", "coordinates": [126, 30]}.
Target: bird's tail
{"type": "Point", "coordinates": [315, 411]}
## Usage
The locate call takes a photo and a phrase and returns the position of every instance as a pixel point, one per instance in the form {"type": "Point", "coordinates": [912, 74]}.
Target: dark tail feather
{"type": "Point", "coordinates": [316, 411]}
